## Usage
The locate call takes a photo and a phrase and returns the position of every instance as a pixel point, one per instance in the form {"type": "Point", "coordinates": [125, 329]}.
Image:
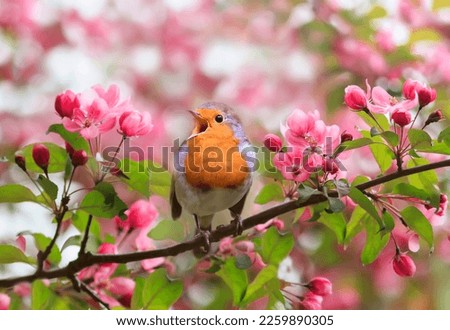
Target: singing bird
{"type": "Point", "coordinates": [213, 169]}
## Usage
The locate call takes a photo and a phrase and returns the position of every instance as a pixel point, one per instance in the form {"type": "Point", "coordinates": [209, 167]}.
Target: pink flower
{"type": "Point", "coordinates": [385, 41]}
{"type": "Point", "coordinates": [41, 156]}
{"type": "Point", "coordinates": [425, 94]}
{"type": "Point", "coordinates": [142, 214]}
{"type": "Point", "coordinates": [107, 248]}
{"type": "Point", "coordinates": [110, 96]}
{"type": "Point", "coordinates": [5, 300]}
{"type": "Point", "coordinates": [273, 142]}
{"type": "Point", "coordinates": [413, 243]}
{"type": "Point", "coordinates": [226, 245]}
{"type": "Point", "coordinates": [144, 243]}
{"type": "Point", "coordinates": [91, 119]}
{"type": "Point", "coordinates": [22, 289]}
{"type": "Point", "coordinates": [134, 123]}
{"type": "Point", "coordinates": [290, 164]}
{"type": "Point", "coordinates": [21, 242]}
{"type": "Point", "coordinates": [320, 286]}
{"type": "Point", "coordinates": [355, 98]}
{"type": "Point", "coordinates": [121, 286]}
{"type": "Point", "coordinates": [401, 117]}
{"type": "Point", "coordinates": [382, 102]}
{"type": "Point", "coordinates": [312, 301]}
{"type": "Point", "coordinates": [403, 265]}
{"type": "Point", "coordinates": [65, 103]}
{"type": "Point", "coordinates": [443, 205]}
{"type": "Point", "coordinates": [300, 127]}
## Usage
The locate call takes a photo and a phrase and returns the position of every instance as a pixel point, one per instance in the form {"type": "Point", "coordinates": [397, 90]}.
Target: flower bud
{"type": "Point", "coordinates": [70, 150]}
{"type": "Point", "coordinates": [20, 161]}
{"type": "Point", "coordinates": [79, 158]}
{"type": "Point", "coordinates": [403, 265]}
{"type": "Point", "coordinates": [425, 94]}
{"type": "Point", "coordinates": [330, 166]}
{"type": "Point", "coordinates": [5, 300]}
{"type": "Point", "coordinates": [320, 286]}
{"type": "Point", "coordinates": [41, 156]}
{"type": "Point", "coordinates": [65, 103]}
{"type": "Point", "coordinates": [355, 98]}
{"type": "Point", "coordinates": [273, 142]}
{"type": "Point", "coordinates": [401, 118]}
{"type": "Point", "coordinates": [434, 117]}
{"type": "Point", "coordinates": [134, 123]}
{"type": "Point", "coordinates": [312, 302]}
{"type": "Point", "coordinates": [346, 137]}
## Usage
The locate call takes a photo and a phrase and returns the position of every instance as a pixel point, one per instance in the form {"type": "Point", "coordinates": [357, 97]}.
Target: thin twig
{"type": "Point", "coordinates": [85, 237]}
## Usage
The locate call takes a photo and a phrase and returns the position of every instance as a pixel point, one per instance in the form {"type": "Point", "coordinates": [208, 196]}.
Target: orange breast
{"type": "Point", "coordinates": [214, 160]}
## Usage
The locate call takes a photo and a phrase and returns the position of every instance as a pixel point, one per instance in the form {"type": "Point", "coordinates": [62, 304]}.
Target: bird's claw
{"type": "Point", "coordinates": [238, 228]}
{"type": "Point", "coordinates": [206, 242]}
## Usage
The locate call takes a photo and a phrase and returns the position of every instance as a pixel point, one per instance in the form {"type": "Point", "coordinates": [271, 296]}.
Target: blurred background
{"type": "Point", "coordinates": [265, 59]}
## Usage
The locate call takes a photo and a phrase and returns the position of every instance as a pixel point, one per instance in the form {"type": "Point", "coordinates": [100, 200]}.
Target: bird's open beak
{"type": "Point", "coordinates": [201, 124]}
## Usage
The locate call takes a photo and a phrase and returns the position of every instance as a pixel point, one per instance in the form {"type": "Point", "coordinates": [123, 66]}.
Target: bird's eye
{"type": "Point", "coordinates": [219, 118]}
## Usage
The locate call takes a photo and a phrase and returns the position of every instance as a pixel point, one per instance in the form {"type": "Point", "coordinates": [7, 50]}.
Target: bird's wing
{"type": "Point", "coordinates": [174, 204]}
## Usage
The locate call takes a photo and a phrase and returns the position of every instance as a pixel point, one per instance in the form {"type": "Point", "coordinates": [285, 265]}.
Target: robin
{"type": "Point", "coordinates": [213, 169]}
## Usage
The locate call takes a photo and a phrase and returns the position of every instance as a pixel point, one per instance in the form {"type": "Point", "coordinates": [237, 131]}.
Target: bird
{"type": "Point", "coordinates": [213, 170]}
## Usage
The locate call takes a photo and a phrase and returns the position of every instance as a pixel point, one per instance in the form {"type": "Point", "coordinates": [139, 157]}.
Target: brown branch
{"type": "Point", "coordinates": [89, 259]}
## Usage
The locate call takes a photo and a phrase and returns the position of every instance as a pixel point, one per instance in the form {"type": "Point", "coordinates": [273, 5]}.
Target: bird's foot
{"type": "Point", "coordinates": [238, 228]}
{"type": "Point", "coordinates": [206, 246]}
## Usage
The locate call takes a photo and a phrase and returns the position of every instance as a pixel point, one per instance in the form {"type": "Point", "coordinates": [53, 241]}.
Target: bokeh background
{"type": "Point", "coordinates": [265, 58]}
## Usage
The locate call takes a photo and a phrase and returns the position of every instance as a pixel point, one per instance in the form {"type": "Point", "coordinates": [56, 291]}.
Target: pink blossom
{"type": "Point", "coordinates": [144, 243]}
{"type": "Point", "coordinates": [403, 265]}
{"type": "Point", "coordinates": [134, 123]}
{"type": "Point", "coordinates": [107, 248]}
{"type": "Point", "coordinates": [312, 301]}
{"type": "Point", "coordinates": [5, 300]}
{"type": "Point", "coordinates": [226, 245]}
{"type": "Point", "coordinates": [111, 96]}
{"type": "Point", "coordinates": [22, 289]}
{"type": "Point", "coordinates": [142, 214]}
{"type": "Point", "coordinates": [121, 286]}
{"type": "Point", "coordinates": [320, 286]}
{"type": "Point", "coordinates": [384, 40]}
{"type": "Point", "coordinates": [425, 94]}
{"type": "Point", "coordinates": [66, 103]}
{"type": "Point", "coordinates": [21, 242]}
{"type": "Point", "coordinates": [382, 102]}
{"type": "Point", "coordinates": [355, 98]}
{"type": "Point", "coordinates": [301, 127]}
{"type": "Point", "coordinates": [443, 205]}
{"type": "Point", "coordinates": [279, 224]}
{"type": "Point", "coordinates": [273, 142]}
{"type": "Point", "coordinates": [91, 119]}
{"type": "Point", "coordinates": [413, 243]}
{"type": "Point", "coordinates": [290, 164]}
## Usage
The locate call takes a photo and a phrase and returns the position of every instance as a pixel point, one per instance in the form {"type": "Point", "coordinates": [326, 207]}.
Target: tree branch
{"type": "Point", "coordinates": [88, 259]}
{"type": "Point", "coordinates": [85, 237]}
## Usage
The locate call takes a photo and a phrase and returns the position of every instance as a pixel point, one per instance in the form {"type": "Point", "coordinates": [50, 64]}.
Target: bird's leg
{"type": "Point", "coordinates": [204, 233]}
{"type": "Point", "coordinates": [237, 221]}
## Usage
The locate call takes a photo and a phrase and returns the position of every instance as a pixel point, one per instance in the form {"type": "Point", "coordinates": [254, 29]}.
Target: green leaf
{"type": "Point", "coordinates": [424, 34]}
{"type": "Point", "coordinates": [360, 179]}
{"type": "Point", "coordinates": [71, 241]}
{"type": "Point", "coordinates": [354, 144]}
{"type": "Point", "coordinates": [41, 295]}
{"type": "Point", "coordinates": [269, 193]}
{"type": "Point", "coordinates": [419, 138]}
{"type": "Point", "coordinates": [235, 278]}
{"type": "Point", "coordinates": [10, 254]}
{"type": "Point", "coordinates": [381, 119]}
{"type": "Point", "coordinates": [388, 221]}
{"type": "Point", "coordinates": [243, 261]}
{"type": "Point", "coordinates": [375, 242]}
{"type": "Point", "coordinates": [16, 193]}
{"type": "Point", "coordinates": [406, 189]}
{"type": "Point", "coordinates": [305, 192]}
{"type": "Point", "coordinates": [359, 198]}
{"type": "Point", "coordinates": [57, 161]}
{"type": "Point", "coordinates": [103, 202]}
{"type": "Point", "coordinates": [355, 225]}
{"type": "Point", "coordinates": [42, 242]}
{"type": "Point", "coordinates": [342, 186]}
{"type": "Point", "coordinates": [381, 152]}
{"type": "Point", "coordinates": [74, 139]}
{"type": "Point", "coordinates": [136, 299]}
{"type": "Point", "coordinates": [390, 137]}
{"type": "Point", "coordinates": [336, 205]}
{"type": "Point", "coordinates": [159, 292]}
{"type": "Point", "coordinates": [160, 182]}
{"type": "Point", "coordinates": [50, 188]}
{"type": "Point", "coordinates": [425, 180]}
{"type": "Point", "coordinates": [417, 222]}
{"type": "Point", "coordinates": [274, 247]}
{"type": "Point", "coordinates": [263, 277]}
{"type": "Point", "coordinates": [336, 222]}
{"type": "Point", "coordinates": [444, 136]}
{"type": "Point", "coordinates": [168, 229]}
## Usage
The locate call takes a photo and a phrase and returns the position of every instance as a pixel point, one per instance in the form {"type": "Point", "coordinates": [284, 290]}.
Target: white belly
{"type": "Point", "coordinates": [207, 202]}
